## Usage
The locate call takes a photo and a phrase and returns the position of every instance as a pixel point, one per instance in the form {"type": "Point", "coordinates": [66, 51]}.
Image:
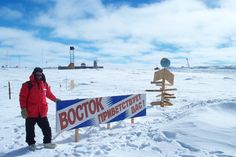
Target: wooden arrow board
{"type": "Point", "coordinates": [164, 74]}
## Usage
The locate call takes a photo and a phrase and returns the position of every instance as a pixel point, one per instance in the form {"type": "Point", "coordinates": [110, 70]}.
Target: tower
{"type": "Point", "coordinates": [72, 58]}
{"type": "Point", "coordinates": [188, 65]}
{"type": "Point", "coordinates": [95, 64]}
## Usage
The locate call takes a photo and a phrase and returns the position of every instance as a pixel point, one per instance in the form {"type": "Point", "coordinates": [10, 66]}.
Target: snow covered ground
{"type": "Point", "coordinates": [202, 122]}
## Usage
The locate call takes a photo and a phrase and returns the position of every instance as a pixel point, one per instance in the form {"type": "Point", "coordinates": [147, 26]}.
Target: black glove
{"type": "Point", "coordinates": [57, 100]}
{"type": "Point", "coordinates": [24, 113]}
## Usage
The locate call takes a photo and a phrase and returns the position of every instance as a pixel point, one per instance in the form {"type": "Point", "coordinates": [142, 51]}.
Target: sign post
{"type": "Point", "coordinates": [132, 120]}
{"type": "Point", "coordinates": [76, 135]}
{"type": "Point", "coordinates": [163, 78]}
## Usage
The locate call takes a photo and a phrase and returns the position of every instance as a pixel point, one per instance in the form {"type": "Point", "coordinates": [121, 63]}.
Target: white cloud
{"type": "Point", "coordinates": [8, 13]}
{"type": "Point", "coordinates": [172, 21]}
{"type": "Point", "coordinates": [228, 4]}
{"type": "Point", "coordinates": [31, 50]}
{"type": "Point", "coordinates": [197, 29]}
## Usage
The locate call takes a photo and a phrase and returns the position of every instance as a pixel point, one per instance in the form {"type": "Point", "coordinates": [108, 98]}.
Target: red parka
{"type": "Point", "coordinates": [34, 98]}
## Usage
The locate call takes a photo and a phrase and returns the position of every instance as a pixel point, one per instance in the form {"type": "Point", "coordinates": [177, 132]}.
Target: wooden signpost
{"type": "Point", "coordinates": [76, 135]}
{"type": "Point", "coordinates": [163, 78]}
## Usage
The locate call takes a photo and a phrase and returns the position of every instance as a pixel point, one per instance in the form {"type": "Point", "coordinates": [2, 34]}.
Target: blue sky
{"type": "Point", "coordinates": [117, 33]}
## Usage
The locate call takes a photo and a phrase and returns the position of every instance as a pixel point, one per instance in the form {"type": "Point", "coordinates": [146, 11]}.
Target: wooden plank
{"type": "Point", "coordinates": [167, 103]}
{"type": "Point", "coordinates": [153, 90]}
{"type": "Point", "coordinates": [166, 99]}
{"type": "Point", "coordinates": [168, 94]}
{"type": "Point", "coordinates": [170, 89]}
{"type": "Point", "coordinates": [76, 135]}
{"type": "Point", "coordinates": [169, 97]}
{"type": "Point", "coordinates": [156, 82]}
{"type": "Point", "coordinates": [168, 76]}
{"type": "Point", "coordinates": [164, 74]}
{"type": "Point", "coordinates": [158, 75]}
{"type": "Point", "coordinates": [162, 104]}
{"type": "Point", "coordinates": [159, 95]}
{"type": "Point", "coordinates": [167, 84]}
{"type": "Point", "coordinates": [160, 83]}
{"type": "Point", "coordinates": [156, 103]}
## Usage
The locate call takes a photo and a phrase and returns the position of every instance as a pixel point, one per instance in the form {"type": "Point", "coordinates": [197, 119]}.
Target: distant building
{"type": "Point", "coordinates": [83, 65]}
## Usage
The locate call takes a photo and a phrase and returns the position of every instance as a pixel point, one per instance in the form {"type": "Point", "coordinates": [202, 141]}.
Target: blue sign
{"type": "Point", "coordinates": [79, 113]}
{"type": "Point", "coordinates": [165, 62]}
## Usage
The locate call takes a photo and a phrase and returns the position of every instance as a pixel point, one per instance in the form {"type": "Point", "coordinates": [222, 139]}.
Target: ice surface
{"type": "Point", "coordinates": [201, 122]}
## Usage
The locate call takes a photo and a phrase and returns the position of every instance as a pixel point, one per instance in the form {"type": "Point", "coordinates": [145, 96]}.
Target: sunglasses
{"type": "Point", "coordinates": [38, 74]}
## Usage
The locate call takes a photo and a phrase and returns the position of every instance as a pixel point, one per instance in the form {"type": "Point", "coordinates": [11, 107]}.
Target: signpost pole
{"type": "Point", "coordinates": [108, 125]}
{"type": "Point", "coordinates": [76, 135]}
{"type": "Point", "coordinates": [132, 120]}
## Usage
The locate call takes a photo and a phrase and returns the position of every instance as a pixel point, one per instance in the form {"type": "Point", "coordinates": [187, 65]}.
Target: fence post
{"type": "Point", "coordinates": [132, 120]}
{"type": "Point", "coordinates": [108, 125]}
{"type": "Point", "coordinates": [9, 89]}
{"type": "Point", "coordinates": [72, 84]}
{"type": "Point", "coordinates": [76, 135]}
{"type": "Point", "coordinates": [66, 84]}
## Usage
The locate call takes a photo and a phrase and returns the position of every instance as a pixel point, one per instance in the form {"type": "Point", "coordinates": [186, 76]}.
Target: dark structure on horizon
{"type": "Point", "coordinates": [83, 65]}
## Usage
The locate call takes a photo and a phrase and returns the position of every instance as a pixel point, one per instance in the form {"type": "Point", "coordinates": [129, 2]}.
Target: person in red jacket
{"type": "Point", "coordinates": [34, 107]}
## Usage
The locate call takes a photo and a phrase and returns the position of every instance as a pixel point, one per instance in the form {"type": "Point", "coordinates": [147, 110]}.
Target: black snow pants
{"type": "Point", "coordinates": [43, 124]}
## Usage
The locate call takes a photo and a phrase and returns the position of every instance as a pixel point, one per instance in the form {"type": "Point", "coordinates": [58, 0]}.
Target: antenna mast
{"type": "Point", "coordinates": [187, 63]}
